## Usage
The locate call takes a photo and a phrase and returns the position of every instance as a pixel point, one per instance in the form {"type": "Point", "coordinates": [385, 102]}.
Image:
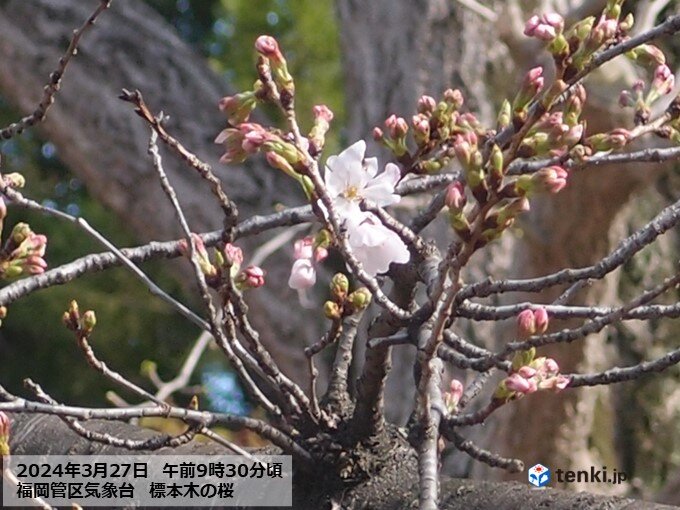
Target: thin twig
{"type": "Point", "coordinates": [50, 90]}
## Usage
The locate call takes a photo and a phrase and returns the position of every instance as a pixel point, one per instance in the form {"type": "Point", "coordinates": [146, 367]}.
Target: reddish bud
{"type": "Point", "coordinates": [455, 196]}
{"type": "Point", "coordinates": [516, 382]}
{"type": "Point", "coordinates": [251, 277]}
{"type": "Point", "coordinates": [426, 105]}
{"type": "Point", "coordinates": [526, 324]}
{"type": "Point", "coordinates": [541, 318]}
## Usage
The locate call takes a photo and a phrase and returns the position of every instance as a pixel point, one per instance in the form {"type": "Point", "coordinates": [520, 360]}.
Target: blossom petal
{"type": "Point", "coordinates": [302, 275]}
{"type": "Point", "coordinates": [381, 189]}
{"type": "Point", "coordinates": [346, 169]}
{"type": "Point", "coordinates": [371, 166]}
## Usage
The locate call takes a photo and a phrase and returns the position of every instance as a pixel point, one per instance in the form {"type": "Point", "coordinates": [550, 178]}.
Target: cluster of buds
{"type": "Point", "coordinates": [80, 323]}
{"type": "Point", "coordinates": [23, 252]}
{"type": "Point", "coordinates": [344, 303]}
{"type": "Point", "coordinates": [573, 49]}
{"type": "Point", "coordinates": [548, 27]}
{"type": "Point", "coordinates": [532, 322]}
{"type": "Point", "coordinates": [309, 251]}
{"type": "Point", "coordinates": [551, 179]}
{"type": "Point", "coordinates": [433, 127]}
{"type": "Point", "coordinates": [662, 84]}
{"type": "Point", "coordinates": [556, 133]}
{"type": "Point", "coordinates": [453, 396]}
{"type": "Point", "coordinates": [616, 139]}
{"type": "Point", "coordinates": [249, 138]}
{"type": "Point", "coordinates": [4, 434]}
{"type": "Point", "coordinates": [394, 135]}
{"type": "Point", "coordinates": [227, 264]}
{"type": "Point", "coordinates": [530, 374]}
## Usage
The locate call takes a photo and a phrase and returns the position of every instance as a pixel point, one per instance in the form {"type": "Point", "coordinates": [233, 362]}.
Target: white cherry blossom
{"type": "Point", "coordinates": [375, 245]}
{"type": "Point", "coordinates": [350, 178]}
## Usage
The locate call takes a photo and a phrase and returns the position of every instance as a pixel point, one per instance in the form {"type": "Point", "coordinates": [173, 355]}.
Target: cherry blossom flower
{"type": "Point", "coordinates": [302, 275]}
{"type": "Point", "coordinates": [374, 245]}
{"type": "Point", "coordinates": [303, 272]}
{"type": "Point", "coordinates": [350, 179]}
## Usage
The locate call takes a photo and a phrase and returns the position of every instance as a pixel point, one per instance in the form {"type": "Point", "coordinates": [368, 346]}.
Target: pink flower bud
{"type": "Point", "coordinates": [251, 277]}
{"type": "Point", "coordinates": [541, 319]}
{"type": "Point", "coordinates": [453, 396]}
{"type": "Point", "coordinates": [304, 248]}
{"type": "Point", "coordinates": [663, 80]}
{"type": "Point", "coordinates": [527, 372]}
{"type": "Point", "coordinates": [551, 366]}
{"type": "Point", "coordinates": [302, 275]}
{"type": "Point", "coordinates": [454, 98]}
{"type": "Point", "coordinates": [378, 134]}
{"type": "Point", "coordinates": [233, 255]}
{"type": "Point", "coordinates": [421, 126]}
{"type": "Point", "coordinates": [320, 254]}
{"type": "Point", "coordinates": [426, 104]}
{"type": "Point", "coordinates": [456, 389]}
{"type": "Point", "coordinates": [551, 179]}
{"type": "Point", "coordinates": [516, 382]}
{"type": "Point", "coordinates": [526, 323]}
{"type": "Point", "coordinates": [321, 111]}
{"type": "Point", "coordinates": [455, 196]}
{"type": "Point", "coordinates": [267, 46]}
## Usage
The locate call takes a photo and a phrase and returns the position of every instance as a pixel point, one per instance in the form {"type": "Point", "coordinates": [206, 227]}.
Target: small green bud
{"type": "Point", "coordinates": [523, 358]}
{"type": "Point", "coordinates": [20, 232]}
{"type": "Point", "coordinates": [332, 310]}
{"type": "Point", "coordinates": [339, 287]}
{"type": "Point", "coordinates": [504, 115]}
{"type": "Point", "coordinates": [360, 298]}
{"type": "Point", "coordinates": [89, 321]}
{"type": "Point", "coordinates": [147, 368]}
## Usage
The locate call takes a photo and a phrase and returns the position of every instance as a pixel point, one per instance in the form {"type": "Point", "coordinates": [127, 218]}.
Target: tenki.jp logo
{"type": "Point", "coordinates": [539, 475]}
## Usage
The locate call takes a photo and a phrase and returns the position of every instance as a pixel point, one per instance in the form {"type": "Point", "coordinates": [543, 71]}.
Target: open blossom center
{"type": "Point", "coordinates": [351, 193]}
{"type": "Point", "coordinates": [351, 178]}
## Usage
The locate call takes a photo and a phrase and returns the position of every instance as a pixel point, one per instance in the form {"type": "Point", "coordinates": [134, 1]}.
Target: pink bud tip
{"type": "Point", "coordinates": [516, 382]}
{"type": "Point", "coordinates": [233, 254]}
{"type": "Point", "coordinates": [304, 248]}
{"type": "Point", "coordinates": [267, 46]}
{"type": "Point", "coordinates": [455, 196]}
{"type": "Point", "coordinates": [322, 112]}
{"type": "Point", "coordinates": [253, 277]}
{"type": "Point", "coordinates": [541, 318]}
{"type": "Point", "coordinates": [456, 389]}
{"type": "Point", "coordinates": [526, 325]}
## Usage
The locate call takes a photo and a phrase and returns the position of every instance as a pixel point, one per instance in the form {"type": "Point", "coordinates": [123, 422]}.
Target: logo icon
{"type": "Point", "coordinates": [539, 475]}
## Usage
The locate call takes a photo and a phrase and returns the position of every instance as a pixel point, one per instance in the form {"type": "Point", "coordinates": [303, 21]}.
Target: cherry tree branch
{"type": "Point", "coordinates": [54, 84]}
